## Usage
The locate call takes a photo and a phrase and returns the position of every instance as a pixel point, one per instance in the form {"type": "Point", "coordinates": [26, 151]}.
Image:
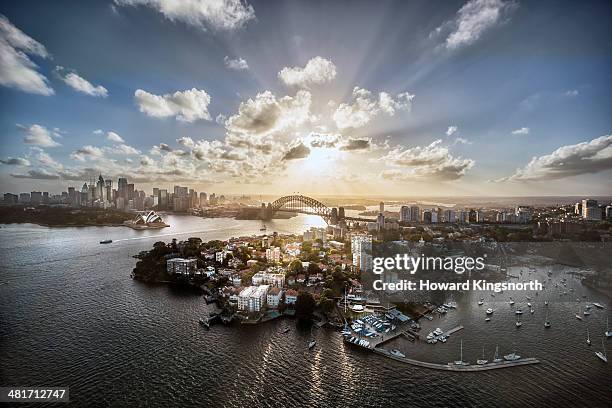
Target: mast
{"type": "Point", "coordinates": [462, 351]}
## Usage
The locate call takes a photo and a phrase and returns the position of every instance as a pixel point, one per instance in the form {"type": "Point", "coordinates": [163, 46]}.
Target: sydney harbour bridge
{"type": "Point", "coordinates": [307, 205]}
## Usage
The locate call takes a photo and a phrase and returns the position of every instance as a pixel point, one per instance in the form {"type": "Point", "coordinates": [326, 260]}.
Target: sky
{"type": "Point", "coordinates": [453, 98]}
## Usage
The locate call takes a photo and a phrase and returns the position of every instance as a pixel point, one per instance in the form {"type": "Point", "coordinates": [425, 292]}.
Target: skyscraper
{"type": "Point", "coordinates": [361, 248]}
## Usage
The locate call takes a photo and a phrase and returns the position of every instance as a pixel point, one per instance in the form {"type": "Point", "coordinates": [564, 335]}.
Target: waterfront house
{"type": "Point", "coordinates": [291, 297]}
{"type": "Point", "coordinates": [274, 297]}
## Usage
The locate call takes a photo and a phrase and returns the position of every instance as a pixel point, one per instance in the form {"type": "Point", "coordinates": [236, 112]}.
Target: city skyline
{"type": "Point", "coordinates": [465, 98]}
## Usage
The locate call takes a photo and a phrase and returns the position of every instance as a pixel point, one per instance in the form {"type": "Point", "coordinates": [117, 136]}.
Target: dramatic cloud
{"type": "Point", "coordinates": [265, 116]}
{"type": "Point", "coordinates": [451, 130]}
{"type": "Point", "coordinates": [15, 161]}
{"type": "Point", "coordinates": [521, 131]}
{"type": "Point", "coordinates": [365, 107]}
{"type": "Point", "coordinates": [186, 106]}
{"type": "Point", "coordinates": [572, 160]}
{"type": "Point", "coordinates": [16, 69]}
{"type": "Point", "coordinates": [432, 162]}
{"type": "Point", "coordinates": [80, 84]}
{"type": "Point", "coordinates": [238, 64]}
{"type": "Point", "coordinates": [473, 19]}
{"type": "Point", "coordinates": [38, 136]}
{"type": "Point", "coordinates": [356, 144]}
{"type": "Point", "coordinates": [323, 140]}
{"type": "Point", "coordinates": [389, 105]}
{"type": "Point", "coordinates": [316, 72]}
{"type": "Point", "coordinates": [216, 14]}
{"type": "Point", "coordinates": [297, 152]}
{"type": "Point", "coordinates": [114, 137]}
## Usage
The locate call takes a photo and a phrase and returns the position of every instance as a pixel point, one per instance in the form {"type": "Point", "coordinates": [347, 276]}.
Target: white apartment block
{"type": "Point", "coordinates": [253, 298]}
{"type": "Point", "coordinates": [181, 266]}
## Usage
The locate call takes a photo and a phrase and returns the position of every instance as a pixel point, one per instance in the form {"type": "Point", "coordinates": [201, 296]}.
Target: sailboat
{"type": "Point", "coordinates": [603, 356]}
{"type": "Point", "coordinates": [588, 337]}
{"type": "Point", "coordinates": [578, 314]}
{"type": "Point", "coordinates": [482, 361]}
{"type": "Point", "coordinates": [547, 322]}
{"type": "Point", "coordinates": [518, 321]}
{"type": "Point", "coordinates": [460, 362]}
{"type": "Point", "coordinates": [496, 358]}
{"type": "Point", "coordinates": [608, 331]}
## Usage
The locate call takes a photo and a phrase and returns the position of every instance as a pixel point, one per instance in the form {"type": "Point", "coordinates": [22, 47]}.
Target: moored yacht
{"type": "Point", "coordinates": [397, 353]}
{"type": "Point", "coordinates": [608, 331]}
{"type": "Point", "coordinates": [518, 322]}
{"type": "Point", "coordinates": [518, 312]}
{"type": "Point", "coordinates": [588, 341]}
{"type": "Point", "coordinates": [603, 356]}
{"type": "Point", "coordinates": [311, 344]}
{"type": "Point", "coordinates": [482, 361]}
{"type": "Point", "coordinates": [496, 358]}
{"type": "Point", "coordinates": [598, 305]}
{"type": "Point", "coordinates": [481, 302]}
{"type": "Point", "coordinates": [460, 362]}
{"type": "Point", "coordinates": [489, 311]}
{"type": "Point", "coordinates": [512, 356]}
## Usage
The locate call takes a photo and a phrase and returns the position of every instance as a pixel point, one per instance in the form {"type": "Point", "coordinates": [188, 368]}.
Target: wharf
{"type": "Point", "coordinates": [451, 367]}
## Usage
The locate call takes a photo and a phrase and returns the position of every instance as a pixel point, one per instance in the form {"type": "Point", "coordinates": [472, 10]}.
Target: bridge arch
{"type": "Point", "coordinates": [301, 204]}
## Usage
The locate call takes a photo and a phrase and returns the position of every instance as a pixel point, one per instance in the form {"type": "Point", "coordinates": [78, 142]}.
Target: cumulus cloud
{"type": "Point", "coordinates": [186, 141]}
{"type": "Point", "coordinates": [299, 151]}
{"type": "Point", "coordinates": [98, 132]}
{"type": "Point", "coordinates": [15, 161]}
{"type": "Point", "coordinates": [37, 175]}
{"type": "Point", "coordinates": [237, 64]}
{"type": "Point", "coordinates": [431, 162]}
{"type": "Point", "coordinates": [451, 130]}
{"type": "Point", "coordinates": [86, 153]}
{"type": "Point", "coordinates": [589, 157]}
{"type": "Point", "coordinates": [220, 119]}
{"type": "Point", "coordinates": [316, 72]}
{"type": "Point", "coordinates": [114, 137]}
{"type": "Point", "coordinates": [472, 20]}
{"type": "Point", "coordinates": [521, 131]}
{"type": "Point", "coordinates": [216, 14]}
{"type": "Point", "coordinates": [365, 107]}
{"type": "Point", "coordinates": [80, 84]}
{"type": "Point", "coordinates": [17, 70]}
{"type": "Point", "coordinates": [402, 101]}
{"type": "Point", "coordinates": [125, 150]}
{"type": "Point", "coordinates": [259, 119]}
{"type": "Point", "coordinates": [356, 144]}
{"type": "Point", "coordinates": [38, 135]}
{"type": "Point", "coordinates": [186, 106]}
{"type": "Point", "coordinates": [323, 140]}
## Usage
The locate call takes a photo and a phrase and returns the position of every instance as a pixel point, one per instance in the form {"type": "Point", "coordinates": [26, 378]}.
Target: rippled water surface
{"type": "Point", "coordinates": [71, 316]}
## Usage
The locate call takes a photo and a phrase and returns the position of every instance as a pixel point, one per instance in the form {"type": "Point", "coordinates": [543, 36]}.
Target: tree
{"type": "Point", "coordinates": [304, 306]}
{"type": "Point", "coordinates": [296, 267]}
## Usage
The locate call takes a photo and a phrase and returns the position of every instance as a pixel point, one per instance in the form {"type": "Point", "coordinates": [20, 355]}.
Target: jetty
{"type": "Point", "coordinates": [452, 367]}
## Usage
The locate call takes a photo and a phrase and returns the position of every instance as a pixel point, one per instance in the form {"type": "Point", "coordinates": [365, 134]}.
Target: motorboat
{"type": "Point", "coordinates": [311, 344]}
{"type": "Point", "coordinates": [512, 356]}
{"type": "Point", "coordinates": [397, 353]}
{"type": "Point", "coordinates": [489, 311]}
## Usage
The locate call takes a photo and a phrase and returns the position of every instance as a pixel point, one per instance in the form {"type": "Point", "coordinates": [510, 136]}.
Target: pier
{"type": "Point", "coordinates": [451, 367]}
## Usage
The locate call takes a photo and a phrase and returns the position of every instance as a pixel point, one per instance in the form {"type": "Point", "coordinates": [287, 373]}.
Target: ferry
{"type": "Point", "coordinates": [106, 241]}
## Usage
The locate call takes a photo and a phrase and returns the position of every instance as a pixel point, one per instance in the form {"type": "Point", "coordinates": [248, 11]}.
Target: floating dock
{"type": "Point", "coordinates": [451, 367]}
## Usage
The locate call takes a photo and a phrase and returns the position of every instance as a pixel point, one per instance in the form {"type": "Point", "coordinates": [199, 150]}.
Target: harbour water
{"type": "Point", "coordinates": [71, 316]}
